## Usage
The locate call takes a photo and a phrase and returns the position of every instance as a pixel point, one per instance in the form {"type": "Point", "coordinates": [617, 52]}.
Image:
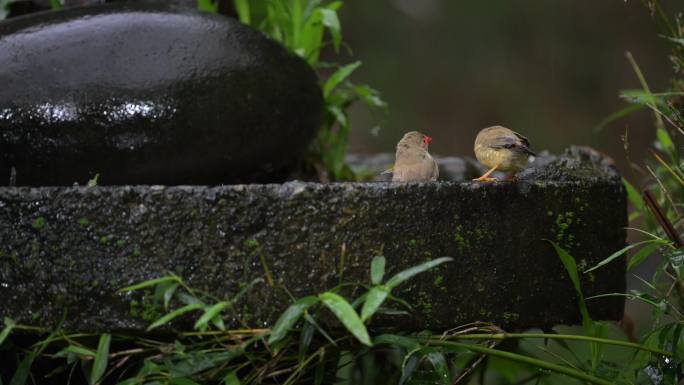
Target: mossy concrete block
{"type": "Point", "coordinates": [67, 250]}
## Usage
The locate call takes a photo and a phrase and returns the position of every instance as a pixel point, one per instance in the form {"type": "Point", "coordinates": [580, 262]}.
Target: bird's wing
{"type": "Point", "coordinates": [515, 143]}
{"type": "Point", "coordinates": [435, 170]}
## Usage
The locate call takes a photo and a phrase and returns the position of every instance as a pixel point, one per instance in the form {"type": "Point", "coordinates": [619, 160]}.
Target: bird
{"type": "Point", "coordinates": [501, 149]}
{"type": "Point", "coordinates": [413, 162]}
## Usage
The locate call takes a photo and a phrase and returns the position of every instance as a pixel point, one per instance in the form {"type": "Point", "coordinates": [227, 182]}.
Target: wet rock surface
{"type": "Point", "coordinates": [153, 94]}
{"type": "Point", "coordinates": [68, 250]}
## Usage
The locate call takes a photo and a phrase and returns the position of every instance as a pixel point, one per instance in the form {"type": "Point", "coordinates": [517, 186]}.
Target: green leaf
{"type": "Point", "coordinates": [55, 4]}
{"type": "Point", "coordinates": [75, 350]}
{"type": "Point", "coordinates": [231, 379]}
{"type": "Point", "coordinates": [148, 283]}
{"type": "Point", "coordinates": [619, 253]}
{"type": "Point", "coordinates": [289, 318]}
{"type": "Point", "coordinates": [101, 358]}
{"type": "Point", "coordinates": [21, 374]}
{"type": "Point", "coordinates": [642, 254]}
{"type": "Point", "coordinates": [415, 270]}
{"type": "Point", "coordinates": [618, 115]}
{"type": "Point", "coordinates": [243, 11]}
{"type": "Point", "coordinates": [4, 8]}
{"type": "Point", "coordinates": [408, 343]}
{"type": "Point", "coordinates": [346, 315]}
{"type": "Point", "coordinates": [210, 313]}
{"type": "Point", "coordinates": [633, 195]}
{"type": "Point", "coordinates": [168, 294]}
{"type": "Point", "coordinates": [376, 296]}
{"type": "Point", "coordinates": [338, 77]}
{"type": "Point", "coordinates": [330, 20]}
{"type": "Point", "coordinates": [182, 381]}
{"type": "Point", "coordinates": [176, 313]}
{"type": "Point", "coordinates": [665, 140]}
{"type": "Point", "coordinates": [207, 5]}
{"type": "Point", "coordinates": [377, 269]}
{"type": "Point", "coordinates": [9, 325]}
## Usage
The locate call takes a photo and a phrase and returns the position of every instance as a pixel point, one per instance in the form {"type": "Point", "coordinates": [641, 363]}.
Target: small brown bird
{"type": "Point", "coordinates": [501, 149]}
{"type": "Point", "coordinates": [413, 162]}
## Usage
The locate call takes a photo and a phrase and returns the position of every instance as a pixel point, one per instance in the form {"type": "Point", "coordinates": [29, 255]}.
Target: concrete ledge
{"type": "Point", "coordinates": [69, 249]}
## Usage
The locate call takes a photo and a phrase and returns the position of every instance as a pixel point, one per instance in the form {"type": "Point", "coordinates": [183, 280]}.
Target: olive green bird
{"type": "Point", "coordinates": [501, 149]}
{"type": "Point", "coordinates": [413, 162]}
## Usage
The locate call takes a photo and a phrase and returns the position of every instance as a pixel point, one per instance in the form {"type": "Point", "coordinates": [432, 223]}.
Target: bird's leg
{"type": "Point", "coordinates": [485, 177]}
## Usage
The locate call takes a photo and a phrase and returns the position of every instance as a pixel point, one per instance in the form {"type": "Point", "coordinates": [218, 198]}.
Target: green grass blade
{"type": "Point", "coordinates": [618, 254]}
{"type": "Point", "coordinates": [207, 5]}
{"type": "Point", "coordinates": [231, 379]}
{"type": "Point", "coordinates": [21, 374]}
{"type": "Point", "coordinates": [9, 325]}
{"type": "Point", "coordinates": [410, 272]}
{"type": "Point", "coordinates": [618, 115]}
{"type": "Point", "coordinates": [330, 21]}
{"type": "Point", "coordinates": [377, 269]}
{"type": "Point", "coordinates": [346, 315]}
{"type": "Point", "coordinates": [148, 283]}
{"type": "Point", "coordinates": [529, 361]}
{"type": "Point", "coordinates": [642, 254]}
{"type": "Point", "coordinates": [176, 313]}
{"type": "Point", "coordinates": [289, 318]}
{"type": "Point", "coordinates": [75, 350]}
{"type": "Point", "coordinates": [376, 296]}
{"type": "Point", "coordinates": [405, 342]}
{"type": "Point", "coordinates": [243, 10]}
{"type": "Point", "coordinates": [101, 358]}
{"type": "Point", "coordinates": [338, 77]}
{"type": "Point", "coordinates": [633, 195]}
{"type": "Point", "coordinates": [209, 314]}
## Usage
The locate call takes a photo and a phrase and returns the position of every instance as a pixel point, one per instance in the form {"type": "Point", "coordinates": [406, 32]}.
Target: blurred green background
{"type": "Point", "coordinates": [549, 69]}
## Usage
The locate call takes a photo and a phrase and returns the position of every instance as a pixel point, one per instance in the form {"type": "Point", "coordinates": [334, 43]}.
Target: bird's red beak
{"type": "Point", "coordinates": [426, 139]}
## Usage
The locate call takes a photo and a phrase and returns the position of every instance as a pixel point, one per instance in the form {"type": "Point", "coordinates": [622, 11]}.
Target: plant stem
{"type": "Point", "coordinates": [503, 336]}
{"type": "Point", "coordinates": [526, 360]}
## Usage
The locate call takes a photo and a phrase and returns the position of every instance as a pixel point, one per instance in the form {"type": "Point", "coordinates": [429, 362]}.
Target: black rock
{"type": "Point", "coordinates": [149, 94]}
{"type": "Point", "coordinates": [68, 250]}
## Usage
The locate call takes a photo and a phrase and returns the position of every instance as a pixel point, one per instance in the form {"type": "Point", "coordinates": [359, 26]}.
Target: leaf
{"type": "Point", "coordinates": [376, 296]}
{"type": "Point", "coordinates": [21, 374]}
{"type": "Point", "coordinates": [377, 269]}
{"type": "Point", "coordinates": [408, 343]}
{"type": "Point", "coordinates": [4, 8]}
{"type": "Point", "coordinates": [338, 77]}
{"type": "Point", "coordinates": [330, 20]}
{"type": "Point", "coordinates": [9, 325]}
{"type": "Point", "coordinates": [571, 267]}
{"type": "Point", "coordinates": [55, 4]}
{"type": "Point", "coordinates": [346, 315]}
{"type": "Point", "coordinates": [618, 115]}
{"type": "Point", "coordinates": [665, 140]}
{"type": "Point", "coordinates": [148, 283]}
{"type": "Point", "coordinates": [305, 338]}
{"type": "Point", "coordinates": [290, 317]}
{"type": "Point", "coordinates": [168, 294]}
{"type": "Point", "coordinates": [210, 313]}
{"type": "Point", "coordinates": [101, 357]}
{"type": "Point", "coordinates": [618, 254]}
{"type": "Point", "coordinates": [642, 254]}
{"type": "Point", "coordinates": [410, 272]}
{"type": "Point", "coordinates": [231, 379]}
{"type": "Point", "coordinates": [75, 350]}
{"type": "Point", "coordinates": [182, 381]}
{"type": "Point", "coordinates": [633, 195]}
{"type": "Point", "coordinates": [178, 312]}
{"type": "Point", "coordinates": [243, 11]}
{"type": "Point", "coordinates": [207, 5]}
